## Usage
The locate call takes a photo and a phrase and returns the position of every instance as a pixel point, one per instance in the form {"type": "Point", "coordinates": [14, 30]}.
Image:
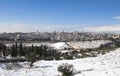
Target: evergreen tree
{"type": "Point", "coordinates": [16, 49]}
{"type": "Point", "coordinates": [32, 48]}
{"type": "Point", "coordinates": [36, 48]}
{"type": "Point", "coordinates": [45, 50]}
{"type": "Point", "coordinates": [3, 49]}
{"type": "Point", "coordinates": [21, 50]}
{"type": "Point", "coordinates": [32, 56]}
{"type": "Point", "coordinates": [13, 51]}
{"type": "Point", "coordinates": [41, 51]}
{"type": "Point", "coordinates": [16, 46]}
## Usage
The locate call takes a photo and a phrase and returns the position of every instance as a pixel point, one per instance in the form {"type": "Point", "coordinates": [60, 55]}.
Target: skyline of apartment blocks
{"type": "Point", "coordinates": [57, 36]}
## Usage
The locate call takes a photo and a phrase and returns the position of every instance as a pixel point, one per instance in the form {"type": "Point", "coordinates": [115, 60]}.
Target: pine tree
{"type": "Point", "coordinates": [36, 48]}
{"type": "Point", "coordinates": [21, 51]}
{"type": "Point", "coordinates": [45, 51]}
{"type": "Point", "coordinates": [13, 51]}
{"type": "Point", "coordinates": [32, 49]}
{"type": "Point", "coordinates": [17, 53]}
{"type": "Point", "coordinates": [41, 51]}
{"type": "Point", "coordinates": [3, 49]}
{"type": "Point", "coordinates": [32, 56]}
{"type": "Point", "coordinates": [16, 46]}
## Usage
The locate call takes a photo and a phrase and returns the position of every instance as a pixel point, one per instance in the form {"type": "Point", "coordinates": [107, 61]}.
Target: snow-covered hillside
{"type": "Point", "coordinates": [103, 65]}
{"type": "Point", "coordinates": [88, 44]}
{"type": "Point", "coordinates": [60, 45]}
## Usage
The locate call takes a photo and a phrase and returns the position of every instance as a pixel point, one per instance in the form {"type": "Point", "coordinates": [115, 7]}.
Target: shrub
{"type": "Point", "coordinates": [32, 58]}
{"type": "Point", "coordinates": [66, 69]}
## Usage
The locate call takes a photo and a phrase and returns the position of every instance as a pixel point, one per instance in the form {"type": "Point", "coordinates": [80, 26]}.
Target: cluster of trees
{"type": "Point", "coordinates": [29, 53]}
{"type": "Point", "coordinates": [33, 53]}
{"type": "Point", "coordinates": [18, 50]}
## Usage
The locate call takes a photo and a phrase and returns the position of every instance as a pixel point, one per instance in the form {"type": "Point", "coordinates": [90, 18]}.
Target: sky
{"type": "Point", "coordinates": [57, 15]}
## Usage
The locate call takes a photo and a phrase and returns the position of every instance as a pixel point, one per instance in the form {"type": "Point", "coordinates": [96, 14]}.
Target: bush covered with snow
{"type": "Point", "coordinates": [66, 69]}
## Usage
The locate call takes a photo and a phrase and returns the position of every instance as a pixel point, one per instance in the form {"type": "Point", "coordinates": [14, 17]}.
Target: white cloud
{"type": "Point", "coordinates": [117, 17]}
{"type": "Point", "coordinates": [33, 28]}
{"type": "Point", "coordinates": [51, 28]}
{"type": "Point", "coordinates": [112, 28]}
